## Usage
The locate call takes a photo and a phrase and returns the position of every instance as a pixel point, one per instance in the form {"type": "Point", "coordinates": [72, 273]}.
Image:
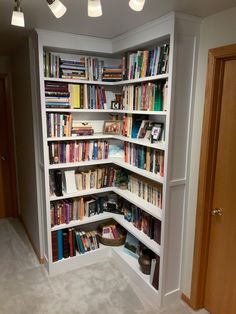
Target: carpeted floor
{"type": "Point", "coordinates": [25, 287]}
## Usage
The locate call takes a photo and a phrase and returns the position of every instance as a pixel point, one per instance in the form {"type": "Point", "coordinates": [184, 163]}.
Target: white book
{"type": "Point", "coordinates": [153, 265]}
{"type": "Point", "coordinates": [69, 181]}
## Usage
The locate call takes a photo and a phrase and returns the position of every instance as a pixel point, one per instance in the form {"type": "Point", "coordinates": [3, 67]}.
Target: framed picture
{"type": "Point", "coordinates": [112, 127]}
{"type": "Point", "coordinates": [115, 104]}
{"type": "Point", "coordinates": [157, 131]}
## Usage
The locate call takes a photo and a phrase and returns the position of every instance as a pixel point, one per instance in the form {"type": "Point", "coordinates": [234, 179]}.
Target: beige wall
{"type": "Point", "coordinates": [217, 30]}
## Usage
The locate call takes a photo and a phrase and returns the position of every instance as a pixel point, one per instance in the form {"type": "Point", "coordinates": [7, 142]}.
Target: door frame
{"type": "Point", "coordinates": [209, 143]}
{"type": "Point", "coordinates": [11, 212]}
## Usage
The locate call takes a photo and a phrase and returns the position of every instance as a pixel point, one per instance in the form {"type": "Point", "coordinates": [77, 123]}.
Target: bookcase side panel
{"type": "Point", "coordinates": [173, 233]}
{"type": "Point", "coordinates": [184, 79]}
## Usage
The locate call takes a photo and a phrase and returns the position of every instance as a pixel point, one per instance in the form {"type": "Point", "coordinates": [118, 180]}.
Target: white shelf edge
{"type": "Point", "coordinates": [149, 208]}
{"type": "Point", "coordinates": [80, 260]}
{"type": "Point", "coordinates": [79, 164]}
{"type": "Point", "coordinates": [141, 236]}
{"type": "Point", "coordinates": [116, 83]}
{"type": "Point", "coordinates": [144, 142]}
{"type": "Point", "coordinates": [144, 112]}
{"type": "Point", "coordinates": [86, 220]}
{"type": "Point", "coordinates": [81, 193]}
{"type": "Point", "coordinates": [115, 160]}
{"type": "Point", "coordinates": [77, 138]}
{"type": "Point", "coordinates": [142, 172]}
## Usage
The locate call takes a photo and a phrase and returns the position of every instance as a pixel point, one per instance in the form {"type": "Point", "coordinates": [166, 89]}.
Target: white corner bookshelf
{"type": "Point", "coordinates": [180, 32]}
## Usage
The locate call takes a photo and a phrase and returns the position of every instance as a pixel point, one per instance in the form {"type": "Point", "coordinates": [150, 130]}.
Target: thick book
{"type": "Point", "coordinates": [54, 246]}
{"type": "Point", "coordinates": [60, 244]}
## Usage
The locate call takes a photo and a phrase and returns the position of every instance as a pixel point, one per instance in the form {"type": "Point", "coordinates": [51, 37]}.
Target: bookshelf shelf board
{"type": "Point", "coordinates": [88, 258]}
{"type": "Point", "coordinates": [147, 174]}
{"type": "Point", "coordinates": [85, 221]}
{"type": "Point", "coordinates": [114, 160]}
{"type": "Point", "coordinates": [143, 79]}
{"type": "Point", "coordinates": [115, 83]}
{"type": "Point", "coordinates": [77, 138]}
{"type": "Point", "coordinates": [144, 142]}
{"type": "Point", "coordinates": [127, 195]}
{"type": "Point", "coordinates": [139, 202]}
{"type": "Point", "coordinates": [146, 112]}
{"type": "Point", "coordinates": [132, 263]}
{"type": "Point", "coordinates": [75, 81]}
{"type": "Point", "coordinates": [79, 164]}
{"type": "Point", "coordinates": [81, 193]}
{"type": "Point", "coordinates": [141, 236]}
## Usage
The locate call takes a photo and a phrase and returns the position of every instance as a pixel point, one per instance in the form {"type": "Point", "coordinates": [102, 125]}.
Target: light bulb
{"type": "Point", "coordinates": [136, 5]}
{"type": "Point", "coordinates": [17, 18]}
{"type": "Point", "coordinates": [94, 8]}
{"type": "Point", "coordinates": [57, 8]}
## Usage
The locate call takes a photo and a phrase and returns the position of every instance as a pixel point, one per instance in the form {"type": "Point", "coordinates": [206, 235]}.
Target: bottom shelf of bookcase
{"type": "Point", "coordinates": [130, 266]}
{"type": "Point", "coordinates": [125, 262]}
{"type": "Point", "coordinates": [80, 260]}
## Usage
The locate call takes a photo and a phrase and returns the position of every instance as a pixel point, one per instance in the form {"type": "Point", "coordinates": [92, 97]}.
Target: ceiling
{"type": "Point", "coordinates": [117, 17]}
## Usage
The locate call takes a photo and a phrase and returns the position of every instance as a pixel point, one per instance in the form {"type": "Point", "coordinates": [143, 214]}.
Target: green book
{"type": "Point", "coordinates": [158, 98]}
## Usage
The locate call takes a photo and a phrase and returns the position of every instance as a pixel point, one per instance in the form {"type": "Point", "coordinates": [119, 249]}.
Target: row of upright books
{"type": "Point", "coordinates": [145, 158]}
{"type": "Point", "coordinates": [144, 63]}
{"type": "Point", "coordinates": [62, 125]}
{"type": "Point", "coordinates": [74, 96]}
{"type": "Point", "coordinates": [145, 190]}
{"type": "Point", "coordinates": [76, 151]}
{"type": "Point", "coordinates": [146, 97]}
{"type": "Point", "coordinates": [65, 211]}
{"type": "Point", "coordinates": [59, 125]}
{"type": "Point", "coordinates": [138, 64]}
{"type": "Point", "coordinates": [67, 242]}
{"type": "Point", "coordinates": [143, 221]}
{"type": "Point", "coordinates": [97, 178]}
{"type": "Point", "coordinates": [82, 68]}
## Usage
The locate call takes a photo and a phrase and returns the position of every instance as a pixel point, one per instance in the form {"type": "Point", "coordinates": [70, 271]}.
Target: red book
{"type": "Point", "coordinates": [54, 247]}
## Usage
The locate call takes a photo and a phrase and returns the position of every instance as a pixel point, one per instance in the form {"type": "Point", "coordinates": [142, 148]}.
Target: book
{"type": "Point", "coordinates": [60, 244]}
{"type": "Point", "coordinates": [69, 181]}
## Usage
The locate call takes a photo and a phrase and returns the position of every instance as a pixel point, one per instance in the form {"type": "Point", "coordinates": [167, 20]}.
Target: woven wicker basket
{"type": "Point", "coordinates": [111, 242]}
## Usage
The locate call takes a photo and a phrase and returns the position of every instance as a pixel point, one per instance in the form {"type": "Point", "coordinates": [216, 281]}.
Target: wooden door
{"type": "Point", "coordinates": [214, 262]}
{"type": "Point", "coordinates": [7, 173]}
{"type": "Point", "coordinates": [220, 291]}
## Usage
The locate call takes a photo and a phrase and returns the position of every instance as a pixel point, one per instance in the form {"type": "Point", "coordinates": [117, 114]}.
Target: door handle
{"type": "Point", "coordinates": [3, 158]}
{"type": "Point", "coordinates": [217, 212]}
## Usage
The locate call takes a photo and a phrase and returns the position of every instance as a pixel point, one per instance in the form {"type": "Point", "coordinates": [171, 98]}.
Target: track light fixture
{"type": "Point", "coordinates": [57, 8]}
{"type": "Point", "coordinates": [94, 8]}
{"type": "Point", "coordinates": [17, 18]}
{"type": "Point", "coordinates": [136, 5]}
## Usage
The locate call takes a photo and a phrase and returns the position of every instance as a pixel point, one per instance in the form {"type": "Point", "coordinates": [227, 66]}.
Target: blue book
{"type": "Point", "coordinates": [60, 244]}
{"type": "Point", "coordinates": [95, 151]}
{"type": "Point", "coordinates": [79, 243]}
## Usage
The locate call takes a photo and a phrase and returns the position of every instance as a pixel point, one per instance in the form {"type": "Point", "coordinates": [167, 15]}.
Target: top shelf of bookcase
{"type": "Point", "coordinates": [104, 83]}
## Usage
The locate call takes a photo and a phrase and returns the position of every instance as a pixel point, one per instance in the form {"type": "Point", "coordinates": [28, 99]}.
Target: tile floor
{"type": "Point", "coordinates": [25, 287]}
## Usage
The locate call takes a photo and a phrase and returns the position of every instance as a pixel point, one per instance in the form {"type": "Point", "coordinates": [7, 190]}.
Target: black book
{"type": "Point", "coordinates": [65, 244]}
{"type": "Point", "coordinates": [58, 182]}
